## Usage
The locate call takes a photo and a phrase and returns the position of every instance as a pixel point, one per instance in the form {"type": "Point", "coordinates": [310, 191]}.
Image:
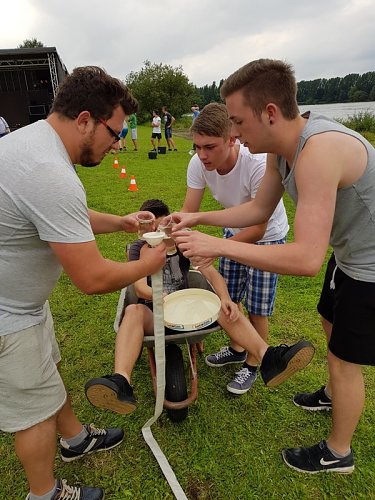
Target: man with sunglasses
{"type": "Point", "coordinates": [45, 226]}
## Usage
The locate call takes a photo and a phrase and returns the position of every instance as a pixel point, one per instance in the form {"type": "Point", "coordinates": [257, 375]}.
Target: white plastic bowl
{"type": "Point", "coordinates": [191, 309]}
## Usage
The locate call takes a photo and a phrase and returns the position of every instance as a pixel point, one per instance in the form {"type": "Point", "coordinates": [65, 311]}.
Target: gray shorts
{"type": "Point", "coordinates": [134, 133]}
{"type": "Point", "coordinates": [31, 389]}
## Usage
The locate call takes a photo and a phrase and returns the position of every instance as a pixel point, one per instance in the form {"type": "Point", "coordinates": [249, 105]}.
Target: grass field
{"type": "Point", "coordinates": [229, 447]}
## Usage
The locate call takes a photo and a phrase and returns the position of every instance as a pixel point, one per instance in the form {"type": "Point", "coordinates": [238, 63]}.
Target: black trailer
{"type": "Point", "coordinates": [28, 82]}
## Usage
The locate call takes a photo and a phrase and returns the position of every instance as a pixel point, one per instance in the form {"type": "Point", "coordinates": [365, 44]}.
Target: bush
{"type": "Point", "coordinates": [363, 121]}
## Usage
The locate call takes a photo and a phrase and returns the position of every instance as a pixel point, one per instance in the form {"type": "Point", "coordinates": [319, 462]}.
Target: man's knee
{"type": "Point", "coordinates": [134, 311]}
{"type": "Point", "coordinates": [341, 368]}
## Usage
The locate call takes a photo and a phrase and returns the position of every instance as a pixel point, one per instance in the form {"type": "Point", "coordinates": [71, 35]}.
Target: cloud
{"type": "Point", "coordinates": [209, 39]}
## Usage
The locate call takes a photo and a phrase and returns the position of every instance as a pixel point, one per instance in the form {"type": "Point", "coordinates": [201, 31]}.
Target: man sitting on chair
{"type": "Point", "coordinates": [114, 392]}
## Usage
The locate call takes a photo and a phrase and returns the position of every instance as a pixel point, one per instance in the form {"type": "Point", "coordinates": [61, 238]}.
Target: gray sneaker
{"type": "Point", "coordinates": [65, 492]}
{"type": "Point", "coordinates": [225, 357]}
{"type": "Point", "coordinates": [242, 382]}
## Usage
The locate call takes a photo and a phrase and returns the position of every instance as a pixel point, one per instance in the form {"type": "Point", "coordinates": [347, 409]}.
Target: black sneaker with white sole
{"type": "Point", "coordinates": [317, 458]}
{"type": "Point", "coordinates": [281, 362]}
{"type": "Point", "coordinates": [96, 440]}
{"type": "Point", "coordinates": [65, 492]}
{"type": "Point", "coordinates": [111, 392]}
{"type": "Point", "coordinates": [313, 401]}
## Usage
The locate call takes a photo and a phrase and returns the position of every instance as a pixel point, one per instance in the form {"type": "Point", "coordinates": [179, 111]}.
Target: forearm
{"type": "Point", "coordinates": [142, 290]}
{"type": "Point", "coordinates": [109, 276]}
{"type": "Point", "coordinates": [217, 281]}
{"type": "Point", "coordinates": [250, 234]}
{"type": "Point", "coordinates": [291, 258]}
{"type": "Point", "coordinates": [239, 216]}
{"type": "Point", "coordinates": [104, 223]}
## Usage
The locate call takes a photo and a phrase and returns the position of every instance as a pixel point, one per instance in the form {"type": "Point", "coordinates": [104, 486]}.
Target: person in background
{"type": "Point", "coordinates": [133, 130]}
{"type": "Point", "coordinates": [4, 127]}
{"type": "Point", "coordinates": [45, 222]}
{"type": "Point", "coordinates": [123, 134]}
{"type": "Point", "coordinates": [115, 393]}
{"type": "Point", "coordinates": [156, 129]}
{"type": "Point", "coordinates": [233, 175]}
{"type": "Point", "coordinates": [169, 120]}
{"type": "Point", "coordinates": [329, 171]}
{"type": "Point", "coordinates": [195, 111]}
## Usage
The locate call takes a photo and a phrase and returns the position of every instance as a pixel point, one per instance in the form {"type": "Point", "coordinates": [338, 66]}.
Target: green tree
{"type": "Point", "coordinates": [30, 43]}
{"type": "Point", "coordinates": [210, 93]}
{"type": "Point", "coordinates": [157, 85]}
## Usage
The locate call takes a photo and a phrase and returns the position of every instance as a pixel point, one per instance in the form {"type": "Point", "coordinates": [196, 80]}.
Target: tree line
{"type": "Point", "coordinates": [350, 88]}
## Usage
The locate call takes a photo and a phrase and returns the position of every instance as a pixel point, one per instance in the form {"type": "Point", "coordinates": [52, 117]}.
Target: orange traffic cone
{"type": "Point", "coordinates": [133, 184]}
{"type": "Point", "coordinates": [123, 172]}
{"type": "Point", "coordinates": [115, 163]}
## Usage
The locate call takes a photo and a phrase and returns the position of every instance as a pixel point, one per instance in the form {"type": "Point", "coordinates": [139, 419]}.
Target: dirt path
{"type": "Point", "coordinates": [182, 132]}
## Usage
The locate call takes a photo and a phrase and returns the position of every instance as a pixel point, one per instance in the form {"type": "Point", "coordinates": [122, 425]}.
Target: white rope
{"type": "Point", "coordinates": [159, 348]}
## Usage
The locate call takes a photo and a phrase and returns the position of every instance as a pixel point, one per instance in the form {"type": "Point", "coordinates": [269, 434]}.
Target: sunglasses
{"type": "Point", "coordinates": [115, 136]}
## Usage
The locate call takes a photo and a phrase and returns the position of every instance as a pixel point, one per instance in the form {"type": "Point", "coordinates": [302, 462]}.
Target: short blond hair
{"type": "Point", "coordinates": [213, 121]}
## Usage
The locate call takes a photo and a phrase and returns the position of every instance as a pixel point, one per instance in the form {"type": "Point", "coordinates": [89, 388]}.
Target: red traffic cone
{"type": "Point", "coordinates": [133, 184]}
{"type": "Point", "coordinates": [115, 163]}
{"type": "Point", "coordinates": [123, 173]}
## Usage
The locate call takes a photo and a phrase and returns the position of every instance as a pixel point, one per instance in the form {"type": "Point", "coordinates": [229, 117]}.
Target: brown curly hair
{"type": "Point", "coordinates": [90, 88]}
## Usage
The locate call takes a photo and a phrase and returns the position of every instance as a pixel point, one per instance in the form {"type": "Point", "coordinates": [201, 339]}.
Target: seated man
{"type": "Point", "coordinates": [115, 393]}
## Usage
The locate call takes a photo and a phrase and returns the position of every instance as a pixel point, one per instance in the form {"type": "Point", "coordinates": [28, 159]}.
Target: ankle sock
{"type": "Point", "coordinates": [76, 440]}
{"type": "Point", "coordinates": [233, 351]}
{"type": "Point", "coordinates": [46, 496]}
{"type": "Point", "coordinates": [337, 454]}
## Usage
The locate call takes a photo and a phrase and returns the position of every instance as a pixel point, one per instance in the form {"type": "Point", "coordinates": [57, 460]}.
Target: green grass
{"type": "Point", "coordinates": [228, 447]}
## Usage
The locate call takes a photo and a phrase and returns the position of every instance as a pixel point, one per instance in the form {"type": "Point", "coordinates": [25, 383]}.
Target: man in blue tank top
{"type": "Point", "coordinates": [329, 171]}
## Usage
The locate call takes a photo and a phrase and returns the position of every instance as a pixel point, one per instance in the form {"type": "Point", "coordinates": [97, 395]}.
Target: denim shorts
{"type": "Point", "coordinates": [31, 389]}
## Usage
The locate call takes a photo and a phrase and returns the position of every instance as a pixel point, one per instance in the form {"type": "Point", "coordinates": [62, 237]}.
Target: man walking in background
{"type": "Point", "coordinates": [195, 110]}
{"type": "Point", "coordinates": [169, 120]}
{"type": "Point", "coordinates": [133, 130]}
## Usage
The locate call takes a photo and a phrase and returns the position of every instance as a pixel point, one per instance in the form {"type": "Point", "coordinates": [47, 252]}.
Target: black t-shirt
{"type": "Point", "coordinates": [175, 271]}
{"type": "Point", "coordinates": [167, 119]}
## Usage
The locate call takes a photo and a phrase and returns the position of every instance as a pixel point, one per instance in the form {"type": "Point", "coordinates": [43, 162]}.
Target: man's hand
{"type": "Point", "coordinates": [153, 258]}
{"type": "Point", "coordinates": [230, 309]}
{"type": "Point", "coordinates": [184, 219]}
{"type": "Point", "coordinates": [196, 244]}
{"type": "Point", "coordinates": [129, 222]}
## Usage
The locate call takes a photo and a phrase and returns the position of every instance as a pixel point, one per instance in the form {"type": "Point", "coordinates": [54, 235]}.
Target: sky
{"type": "Point", "coordinates": [209, 38]}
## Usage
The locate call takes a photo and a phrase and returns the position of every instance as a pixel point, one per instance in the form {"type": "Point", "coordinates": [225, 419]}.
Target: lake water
{"type": "Point", "coordinates": [340, 110]}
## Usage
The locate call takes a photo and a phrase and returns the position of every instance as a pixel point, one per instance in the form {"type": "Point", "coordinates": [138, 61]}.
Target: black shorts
{"type": "Point", "coordinates": [350, 307]}
{"type": "Point", "coordinates": [155, 135]}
